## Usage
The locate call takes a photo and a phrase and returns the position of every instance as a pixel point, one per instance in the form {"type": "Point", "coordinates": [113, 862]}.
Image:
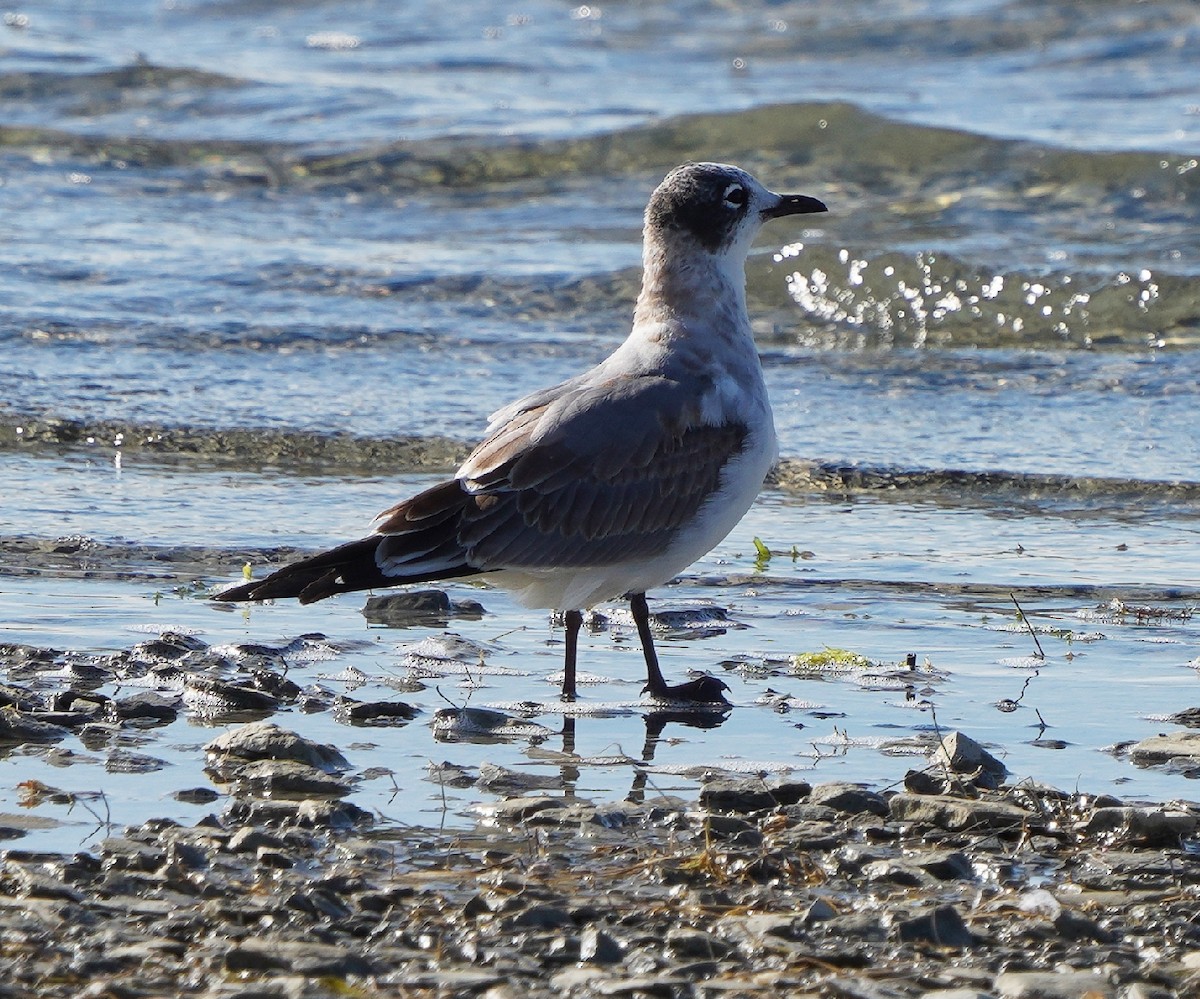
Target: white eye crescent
{"type": "Point", "coordinates": [736, 196]}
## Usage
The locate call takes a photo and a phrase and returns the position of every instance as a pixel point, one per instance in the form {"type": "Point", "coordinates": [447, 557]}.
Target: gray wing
{"type": "Point", "coordinates": [591, 476]}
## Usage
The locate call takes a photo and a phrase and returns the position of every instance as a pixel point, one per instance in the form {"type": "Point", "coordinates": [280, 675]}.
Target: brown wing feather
{"type": "Point", "coordinates": [597, 476]}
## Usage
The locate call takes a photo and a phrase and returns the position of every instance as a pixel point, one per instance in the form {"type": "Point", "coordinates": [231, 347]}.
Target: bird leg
{"type": "Point", "coordinates": [574, 621]}
{"type": "Point", "coordinates": [704, 689]}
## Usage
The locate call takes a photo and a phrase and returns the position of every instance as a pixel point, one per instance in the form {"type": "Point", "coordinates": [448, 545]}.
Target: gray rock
{"type": "Point", "coordinates": [750, 795]}
{"type": "Point", "coordinates": [1166, 748]}
{"type": "Point", "coordinates": [688, 944]}
{"type": "Point", "coordinates": [148, 705]}
{"type": "Point", "coordinates": [212, 697]}
{"type": "Point", "coordinates": [864, 988]}
{"type": "Point", "coordinates": [818, 912]}
{"type": "Point", "coordinates": [597, 947]}
{"type": "Point", "coordinates": [1149, 826]}
{"type": "Point", "coordinates": [453, 724]}
{"type": "Point", "coordinates": [1145, 990]}
{"type": "Point", "coordinates": [516, 810]}
{"type": "Point", "coordinates": [942, 926]}
{"type": "Point", "coordinates": [897, 872]}
{"type": "Point", "coordinates": [248, 840]}
{"type": "Point", "coordinates": [1073, 926]}
{"type": "Point", "coordinates": [196, 795]}
{"type": "Point", "coordinates": [502, 780]}
{"type": "Point", "coordinates": [419, 608]}
{"type": "Point", "coordinates": [945, 865]}
{"type": "Point", "coordinates": [18, 727]}
{"type": "Point", "coordinates": [541, 916]}
{"type": "Point", "coordinates": [954, 813]}
{"type": "Point", "coordinates": [122, 761]}
{"type": "Point", "coordinates": [1052, 985]}
{"type": "Point", "coordinates": [375, 713]}
{"type": "Point", "coordinates": [286, 777]}
{"type": "Point", "coordinates": [963, 755]}
{"type": "Point", "coordinates": [849, 798]}
{"type": "Point", "coordinates": [267, 741]}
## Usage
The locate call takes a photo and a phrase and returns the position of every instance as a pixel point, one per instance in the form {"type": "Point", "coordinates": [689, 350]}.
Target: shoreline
{"type": "Point", "coordinates": [764, 886]}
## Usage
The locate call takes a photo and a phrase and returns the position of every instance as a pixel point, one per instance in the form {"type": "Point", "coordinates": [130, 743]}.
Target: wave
{"type": "Point", "coordinates": [287, 451]}
{"type": "Point", "coordinates": [831, 478]}
{"type": "Point", "coordinates": [305, 452]}
{"type": "Point", "coordinates": [1081, 249]}
{"type": "Point", "coordinates": [857, 299]}
{"type": "Point", "coordinates": [832, 142]}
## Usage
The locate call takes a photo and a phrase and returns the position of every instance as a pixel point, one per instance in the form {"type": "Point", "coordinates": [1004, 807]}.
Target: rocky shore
{"type": "Point", "coordinates": [764, 886]}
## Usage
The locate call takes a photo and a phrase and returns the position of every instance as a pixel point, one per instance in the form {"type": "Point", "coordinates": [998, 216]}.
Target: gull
{"type": "Point", "coordinates": [613, 482]}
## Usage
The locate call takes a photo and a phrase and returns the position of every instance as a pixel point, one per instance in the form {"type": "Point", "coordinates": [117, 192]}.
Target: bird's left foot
{"type": "Point", "coordinates": [704, 690]}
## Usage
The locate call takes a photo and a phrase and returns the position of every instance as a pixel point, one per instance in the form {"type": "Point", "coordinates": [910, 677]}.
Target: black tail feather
{"type": "Point", "coordinates": [348, 567]}
{"type": "Point", "coordinates": [343, 569]}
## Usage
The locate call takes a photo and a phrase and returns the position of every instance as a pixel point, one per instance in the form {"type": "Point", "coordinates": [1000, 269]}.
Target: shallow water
{"type": "Point", "coordinates": [318, 228]}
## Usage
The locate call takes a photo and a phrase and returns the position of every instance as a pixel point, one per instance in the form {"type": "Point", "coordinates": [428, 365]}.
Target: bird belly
{"type": "Point", "coordinates": [577, 587]}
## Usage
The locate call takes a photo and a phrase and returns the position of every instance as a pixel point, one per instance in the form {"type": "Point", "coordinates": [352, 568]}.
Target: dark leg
{"type": "Point", "coordinates": [574, 621]}
{"type": "Point", "coordinates": [706, 689]}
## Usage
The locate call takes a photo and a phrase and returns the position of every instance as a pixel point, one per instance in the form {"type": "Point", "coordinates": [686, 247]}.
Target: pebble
{"type": "Point", "coordinates": [767, 887]}
{"type": "Point", "coordinates": [266, 740]}
{"type": "Point", "coordinates": [1171, 747]}
{"type": "Point", "coordinates": [848, 798]}
{"type": "Point", "coordinates": [753, 795]}
{"type": "Point", "coordinates": [955, 813]}
{"type": "Point", "coordinates": [1053, 985]}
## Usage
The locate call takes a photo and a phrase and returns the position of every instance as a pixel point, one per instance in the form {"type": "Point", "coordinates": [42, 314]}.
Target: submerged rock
{"type": "Point", "coordinates": [267, 741]}
{"type": "Point", "coordinates": [954, 813]}
{"type": "Point", "coordinates": [1177, 748]}
{"type": "Point", "coordinates": [751, 794]}
{"type": "Point", "coordinates": [419, 608]}
{"type": "Point", "coordinates": [961, 754]}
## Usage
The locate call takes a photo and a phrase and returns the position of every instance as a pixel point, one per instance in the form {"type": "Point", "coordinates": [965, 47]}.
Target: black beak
{"type": "Point", "coordinates": [795, 204]}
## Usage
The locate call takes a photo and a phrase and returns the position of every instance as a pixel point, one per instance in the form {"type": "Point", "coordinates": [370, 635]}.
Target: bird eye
{"type": "Point", "coordinates": [735, 196]}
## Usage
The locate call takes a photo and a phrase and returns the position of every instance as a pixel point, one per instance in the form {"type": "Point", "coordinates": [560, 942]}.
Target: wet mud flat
{"type": "Point", "coordinates": [761, 886]}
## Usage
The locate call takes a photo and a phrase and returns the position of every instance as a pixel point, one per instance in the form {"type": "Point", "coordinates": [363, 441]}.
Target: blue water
{"type": "Point", "coordinates": [372, 221]}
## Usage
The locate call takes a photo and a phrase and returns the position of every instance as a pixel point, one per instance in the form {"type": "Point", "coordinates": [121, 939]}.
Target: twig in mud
{"type": "Point", "coordinates": [1025, 618]}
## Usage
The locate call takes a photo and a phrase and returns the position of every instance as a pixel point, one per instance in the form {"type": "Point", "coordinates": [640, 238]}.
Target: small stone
{"type": "Point", "coordinates": [897, 872]}
{"type": "Point", "coordinates": [750, 795]}
{"type": "Point", "coordinates": [945, 865]}
{"type": "Point", "coordinates": [954, 813]}
{"type": "Point", "coordinates": [1076, 927]}
{"type": "Point", "coordinates": [963, 755]}
{"type": "Point", "coordinates": [287, 777]}
{"type": "Point", "coordinates": [248, 839]}
{"type": "Point", "coordinates": [196, 795]}
{"type": "Point", "coordinates": [961, 993]}
{"type": "Point", "coordinates": [818, 912]}
{"type": "Point", "coordinates": [942, 926]}
{"type": "Point", "coordinates": [374, 712]}
{"type": "Point", "coordinates": [542, 916]}
{"type": "Point", "coordinates": [122, 761]}
{"type": "Point", "coordinates": [147, 705]}
{"type": "Point", "coordinates": [267, 741]}
{"type": "Point", "coordinates": [848, 798]}
{"type": "Point", "coordinates": [1148, 826]}
{"type": "Point", "coordinates": [1178, 747]}
{"type": "Point", "coordinates": [1145, 990]}
{"type": "Point", "coordinates": [18, 727]}
{"type": "Point", "coordinates": [211, 697]}
{"type": "Point", "coordinates": [1052, 985]}
{"type": "Point", "coordinates": [516, 810]}
{"type": "Point", "coordinates": [597, 947]}
{"type": "Point", "coordinates": [688, 944]}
